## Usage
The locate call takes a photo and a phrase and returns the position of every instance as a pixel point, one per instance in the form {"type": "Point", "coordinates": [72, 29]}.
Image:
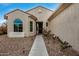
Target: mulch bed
{"type": "Point", "coordinates": [15, 46]}
{"type": "Point", "coordinates": [54, 48]}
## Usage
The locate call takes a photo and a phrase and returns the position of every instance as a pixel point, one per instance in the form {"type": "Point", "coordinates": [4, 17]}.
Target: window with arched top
{"type": "Point", "coordinates": [18, 25]}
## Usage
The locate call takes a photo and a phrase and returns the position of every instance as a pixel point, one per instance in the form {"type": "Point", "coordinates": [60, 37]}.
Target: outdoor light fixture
{"type": "Point", "coordinates": [39, 10]}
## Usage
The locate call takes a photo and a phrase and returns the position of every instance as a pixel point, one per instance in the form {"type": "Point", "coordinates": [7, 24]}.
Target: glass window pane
{"type": "Point", "coordinates": [31, 26]}
{"type": "Point", "coordinates": [18, 26]}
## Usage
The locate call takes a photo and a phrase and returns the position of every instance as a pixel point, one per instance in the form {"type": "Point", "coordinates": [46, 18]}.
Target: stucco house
{"type": "Point", "coordinates": [27, 23]}
{"type": "Point", "coordinates": [64, 22]}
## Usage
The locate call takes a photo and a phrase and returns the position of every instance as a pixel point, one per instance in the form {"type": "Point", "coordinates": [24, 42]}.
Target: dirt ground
{"type": "Point", "coordinates": [54, 48]}
{"type": "Point", "coordinates": [15, 46]}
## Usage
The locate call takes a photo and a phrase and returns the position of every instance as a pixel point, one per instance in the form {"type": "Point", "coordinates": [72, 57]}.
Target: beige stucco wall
{"type": "Point", "coordinates": [26, 21]}
{"type": "Point", "coordinates": [34, 27]}
{"type": "Point", "coordinates": [66, 25]}
{"type": "Point", "coordinates": [24, 17]}
{"type": "Point", "coordinates": [43, 16]}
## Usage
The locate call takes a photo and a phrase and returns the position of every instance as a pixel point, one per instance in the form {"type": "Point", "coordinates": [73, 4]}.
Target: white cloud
{"type": "Point", "coordinates": [6, 4]}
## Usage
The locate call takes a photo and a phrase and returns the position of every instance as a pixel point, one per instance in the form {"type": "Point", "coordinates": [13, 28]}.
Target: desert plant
{"type": "Point", "coordinates": [65, 45]}
{"type": "Point", "coordinates": [45, 33]}
{"type": "Point", "coordinates": [48, 36]}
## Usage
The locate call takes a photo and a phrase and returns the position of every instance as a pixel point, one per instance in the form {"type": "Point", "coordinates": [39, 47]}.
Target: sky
{"type": "Point", "coordinates": [8, 7]}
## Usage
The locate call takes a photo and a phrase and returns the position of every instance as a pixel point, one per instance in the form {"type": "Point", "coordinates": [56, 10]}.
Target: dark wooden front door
{"type": "Point", "coordinates": [40, 27]}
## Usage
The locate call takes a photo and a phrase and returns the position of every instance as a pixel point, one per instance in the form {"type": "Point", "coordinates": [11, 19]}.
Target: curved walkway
{"type": "Point", "coordinates": [38, 48]}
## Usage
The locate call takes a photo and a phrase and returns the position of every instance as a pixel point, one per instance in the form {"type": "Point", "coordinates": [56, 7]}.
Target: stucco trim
{"type": "Point", "coordinates": [60, 9]}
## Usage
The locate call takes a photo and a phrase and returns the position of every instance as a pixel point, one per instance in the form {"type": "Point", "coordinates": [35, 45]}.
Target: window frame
{"type": "Point", "coordinates": [18, 27]}
{"type": "Point", "coordinates": [31, 26]}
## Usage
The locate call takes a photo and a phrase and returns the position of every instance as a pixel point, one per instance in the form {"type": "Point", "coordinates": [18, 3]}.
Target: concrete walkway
{"type": "Point", "coordinates": [38, 48]}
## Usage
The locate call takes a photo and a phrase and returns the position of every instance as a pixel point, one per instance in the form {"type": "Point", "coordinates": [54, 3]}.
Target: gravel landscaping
{"type": "Point", "coordinates": [54, 48]}
{"type": "Point", "coordinates": [15, 46]}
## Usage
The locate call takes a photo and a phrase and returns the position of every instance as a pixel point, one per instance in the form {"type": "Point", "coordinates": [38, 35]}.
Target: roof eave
{"type": "Point", "coordinates": [59, 10]}
{"type": "Point", "coordinates": [41, 7]}
{"type": "Point", "coordinates": [6, 15]}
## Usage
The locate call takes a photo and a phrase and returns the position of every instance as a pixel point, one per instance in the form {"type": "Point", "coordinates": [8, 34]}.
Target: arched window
{"type": "Point", "coordinates": [18, 25]}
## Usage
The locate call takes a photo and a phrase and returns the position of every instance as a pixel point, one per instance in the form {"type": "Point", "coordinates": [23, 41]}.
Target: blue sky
{"type": "Point", "coordinates": [7, 7]}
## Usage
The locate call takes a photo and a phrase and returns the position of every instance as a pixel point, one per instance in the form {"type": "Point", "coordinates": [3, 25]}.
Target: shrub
{"type": "Point", "coordinates": [3, 29]}
{"type": "Point", "coordinates": [65, 45]}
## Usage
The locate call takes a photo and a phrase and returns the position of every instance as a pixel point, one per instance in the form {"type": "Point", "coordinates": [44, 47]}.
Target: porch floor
{"type": "Point", "coordinates": [38, 48]}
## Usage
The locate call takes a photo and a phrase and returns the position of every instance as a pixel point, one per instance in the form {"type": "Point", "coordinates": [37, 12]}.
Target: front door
{"type": "Point", "coordinates": [39, 27]}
